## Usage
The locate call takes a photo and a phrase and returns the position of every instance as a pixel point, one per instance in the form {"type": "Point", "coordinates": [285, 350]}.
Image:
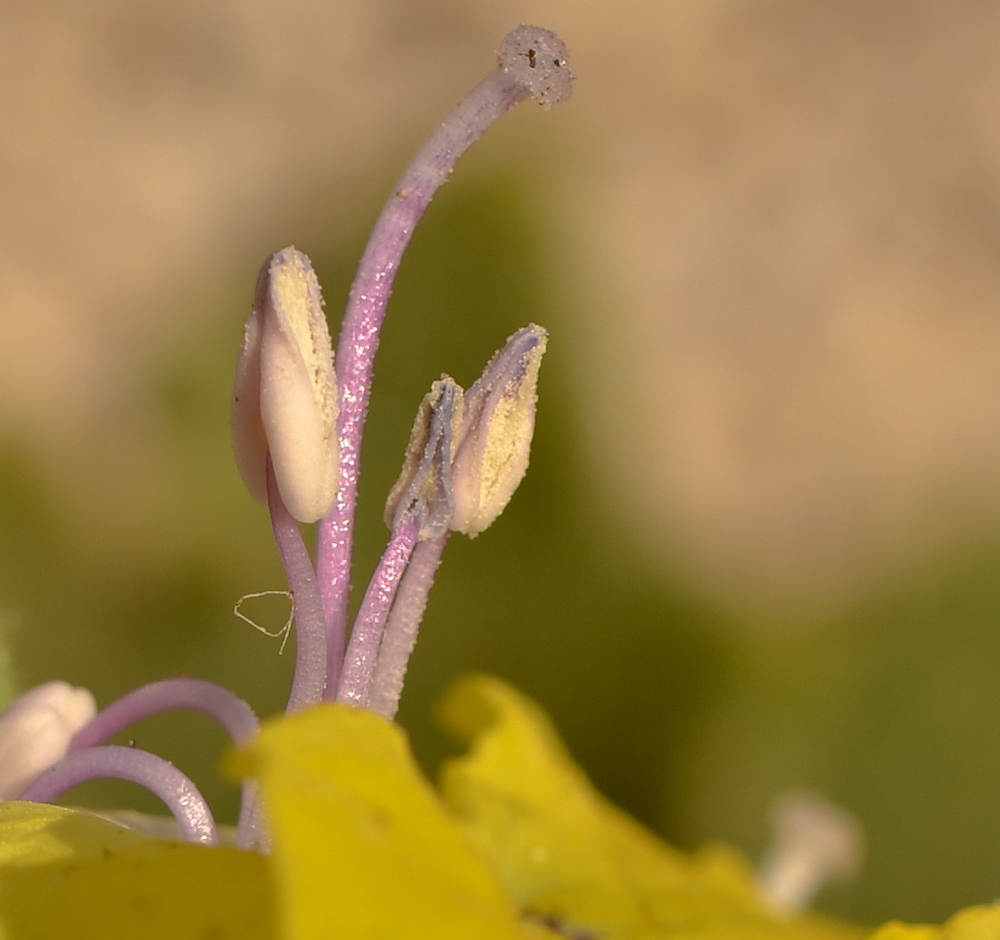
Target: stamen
{"type": "Point", "coordinates": [400, 635]}
{"type": "Point", "coordinates": [468, 452]}
{"type": "Point", "coordinates": [207, 698]}
{"type": "Point", "coordinates": [310, 632]}
{"type": "Point", "coordinates": [285, 395]}
{"type": "Point", "coordinates": [197, 695]}
{"type": "Point", "coordinates": [359, 663]}
{"type": "Point", "coordinates": [160, 777]}
{"type": "Point", "coordinates": [518, 77]}
{"type": "Point", "coordinates": [424, 486]}
{"type": "Point", "coordinates": [493, 441]}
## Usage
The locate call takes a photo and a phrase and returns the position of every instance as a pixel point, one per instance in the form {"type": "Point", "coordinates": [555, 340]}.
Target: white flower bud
{"type": "Point", "coordinates": [494, 439]}
{"type": "Point", "coordinates": [36, 731]}
{"type": "Point", "coordinates": [285, 399]}
{"type": "Point", "coordinates": [424, 485]}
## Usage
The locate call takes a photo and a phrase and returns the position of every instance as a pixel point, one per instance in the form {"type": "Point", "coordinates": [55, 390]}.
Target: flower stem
{"type": "Point", "coordinates": [179, 794]}
{"type": "Point", "coordinates": [515, 80]}
{"type": "Point", "coordinates": [359, 663]}
{"type": "Point", "coordinates": [310, 633]}
{"type": "Point", "coordinates": [400, 634]}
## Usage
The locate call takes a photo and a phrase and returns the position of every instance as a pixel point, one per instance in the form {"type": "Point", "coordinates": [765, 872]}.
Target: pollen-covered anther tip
{"type": "Point", "coordinates": [537, 58]}
{"type": "Point", "coordinates": [424, 485]}
{"type": "Point", "coordinates": [493, 441]}
{"type": "Point", "coordinates": [285, 400]}
{"type": "Point", "coordinates": [814, 843]}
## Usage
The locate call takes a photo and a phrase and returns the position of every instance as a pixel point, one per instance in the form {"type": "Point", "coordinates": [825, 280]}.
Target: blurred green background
{"type": "Point", "coordinates": [700, 654]}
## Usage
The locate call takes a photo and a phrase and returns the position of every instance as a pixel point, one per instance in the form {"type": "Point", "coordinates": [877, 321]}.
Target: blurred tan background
{"type": "Point", "coordinates": [762, 518]}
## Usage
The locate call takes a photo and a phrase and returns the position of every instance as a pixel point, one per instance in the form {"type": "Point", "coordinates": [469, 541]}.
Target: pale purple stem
{"type": "Point", "coordinates": [310, 632]}
{"type": "Point", "coordinates": [197, 695]}
{"type": "Point", "coordinates": [400, 635]}
{"type": "Point", "coordinates": [160, 777]}
{"type": "Point", "coordinates": [359, 336]}
{"type": "Point", "coordinates": [359, 663]}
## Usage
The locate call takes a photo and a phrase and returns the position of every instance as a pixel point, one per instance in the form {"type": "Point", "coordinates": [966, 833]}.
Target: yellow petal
{"type": "Point", "coordinates": [574, 860]}
{"type": "Point", "coordinates": [68, 874]}
{"type": "Point", "coordinates": [362, 847]}
{"type": "Point", "coordinates": [899, 931]}
{"type": "Point", "coordinates": [974, 923]}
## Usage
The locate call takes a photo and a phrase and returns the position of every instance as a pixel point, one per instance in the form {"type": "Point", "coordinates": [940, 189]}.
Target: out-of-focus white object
{"type": "Point", "coordinates": [814, 843]}
{"type": "Point", "coordinates": [36, 730]}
